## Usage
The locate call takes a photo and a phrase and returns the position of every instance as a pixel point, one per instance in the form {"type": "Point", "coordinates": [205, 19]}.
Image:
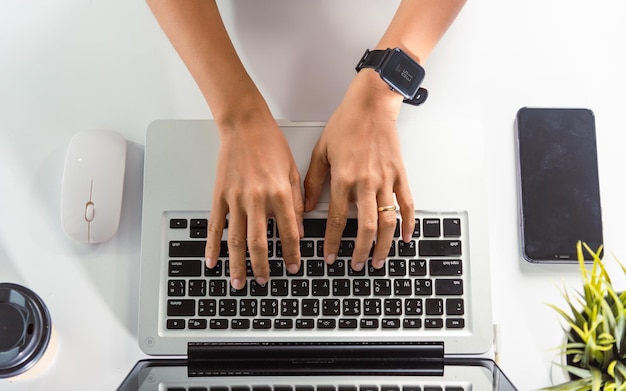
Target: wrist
{"type": "Point", "coordinates": [373, 92]}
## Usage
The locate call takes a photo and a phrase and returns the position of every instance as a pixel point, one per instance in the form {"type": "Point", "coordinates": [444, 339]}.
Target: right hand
{"type": "Point", "coordinates": [257, 178]}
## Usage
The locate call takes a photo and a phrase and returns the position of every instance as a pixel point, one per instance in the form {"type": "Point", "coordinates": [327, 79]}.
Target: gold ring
{"type": "Point", "coordinates": [387, 208]}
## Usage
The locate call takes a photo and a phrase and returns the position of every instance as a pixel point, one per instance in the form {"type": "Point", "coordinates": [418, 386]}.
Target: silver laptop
{"type": "Point", "coordinates": [428, 308]}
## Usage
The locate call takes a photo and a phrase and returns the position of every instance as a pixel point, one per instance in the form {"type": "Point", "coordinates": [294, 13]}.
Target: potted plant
{"type": "Point", "coordinates": [595, 331]}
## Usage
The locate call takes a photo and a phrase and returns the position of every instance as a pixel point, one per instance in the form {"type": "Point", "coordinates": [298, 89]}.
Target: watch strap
{"type": "Point", "coordinates": [375, 59]}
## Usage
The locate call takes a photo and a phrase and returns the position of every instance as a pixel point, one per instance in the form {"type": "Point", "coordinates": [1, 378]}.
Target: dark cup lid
{"type": "Point", "coordinates": [25, 329]}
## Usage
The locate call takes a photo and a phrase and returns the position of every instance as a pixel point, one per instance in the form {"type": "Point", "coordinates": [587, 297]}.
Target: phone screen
{"type": "Point", "coordinates": [558, 183]}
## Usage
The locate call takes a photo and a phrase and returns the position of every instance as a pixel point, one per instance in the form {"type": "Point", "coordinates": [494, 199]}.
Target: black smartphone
{"type": "Point", "coordinates": [559, 190]}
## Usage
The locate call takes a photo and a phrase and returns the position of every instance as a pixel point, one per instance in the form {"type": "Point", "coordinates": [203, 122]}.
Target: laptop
{"type": "Point", "coordinates": [422, 322]}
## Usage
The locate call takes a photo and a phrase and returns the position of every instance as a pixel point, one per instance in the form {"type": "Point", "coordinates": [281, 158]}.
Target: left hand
{"type": "Point", "coordinates": [361, 150]}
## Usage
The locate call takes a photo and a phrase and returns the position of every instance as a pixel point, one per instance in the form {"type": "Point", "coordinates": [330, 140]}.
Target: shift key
{"type": "Point", "coordinates": [439, 248]}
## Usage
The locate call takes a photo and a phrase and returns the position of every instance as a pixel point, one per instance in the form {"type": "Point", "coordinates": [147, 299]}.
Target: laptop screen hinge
{"type": "Point", "coordinates": [419, 358]}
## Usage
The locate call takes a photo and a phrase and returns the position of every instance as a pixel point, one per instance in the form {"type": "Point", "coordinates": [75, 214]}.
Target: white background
{"type": "Point", "coordinates": [69, 65]}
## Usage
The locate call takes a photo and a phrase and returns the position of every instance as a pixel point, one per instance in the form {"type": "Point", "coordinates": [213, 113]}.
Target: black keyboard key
{"type": "Point", "coordinates": [448, 267]}
{"type": "Point", "coordinates": [455, 323]}
{"type": "Point", "coordinates": [341, 287]}
{"type": "Point", "coordinates": [228, 307]}
{"type": "Point", "coordinates": [351, 307]}
{"type": "Point", "coordinates": [449, 287]}
{"type": "Point", "coordinates": [307, 248]}
{"type": "Point", "coordinates": [397, 267]}
{"type": "Point", "coordinates": [277, 268]}
{"type": "Point", "coordinates": [314, 228]}
{"type": "Point", "coordinates": [337, 269]}
{"type": "Point", "coordinates": [187, 248]}
{"type": "Point", "coordinates": [393, 306]}
{"type": "Point", "coordinates": [412, 323]}
{"type": "Point", "coordinates": [402, 286]}
{"type": "Point", "coordinates": [315, 267]}
{"type": "Point", "coordinates": [368, 323]}
{"type": "Point", "coordinates": [248, 307]}
{"type": "Point", "coordinates": [416, 230]}
{"type": "Point", "coordinates": [417, 267]}
{"type": "Point", "coordinates": [390, 323]}
{"type": "Point", "coordinates": [455, 307]}
{"type": "Point", "coordinates": [197, 287]}
{"type": "Point", "coordinates": [348, 323]}
{"type": "Point", "coordinates": [283, 324]}
{"type": "Point", "coordinates": [361, 287]}
{"type": "Point", "coordinates": [300, 287]}
{"type": "Point", "coordinates": [269, 307]}
{"type": "Point", "coordinates": [382, 287]}
{"type": "Point", "coordinates": [326, 323]}
{"type": "Point", "coordinates": [300, 271]}
{"type": "Point", "coordinates": [423, 287]}
{"type": "Point", "coordinates": [452, 227]}
{"type": "Point", "coordinates": [413, 307]}
{"type": "Point", "coordinates": [289, 307]}
{"type": "Point", "coordinates": [214, 272]}
{"type": "Point", "coordinates": [261, 324]}
{"type": "Point", "coordinates": [175, 324]}
{"type": "Point", "coordinates": [346, 248]}
{"type": "Point", "coordinates": [240, 324]}
{"type": "Point", "coordinates": [176, 287]}
{"type": "Point", "coordinates": [218, 324]}
{"type": "Point", "coordinates": [431, 228]}
{"type": "Point", "coordinates": [178, 223]}
{"type": "Point", "coordinates": [207, 307]}
{"type": "Point", "coordinates": [199, 223]}
{"type": "Point", "coordinates": [279, 287]}
{"type": "Point", "coordinates": [433, 323]}
{"type": "Point", "coordinates": [371, 271]}
{"type": "Point", "coordinates": [406, 249]}
{"type": "Point", "coordinates": [310, 307]}
{"type": "Point", "coordinates": [434, 307]}
{"type": "Point", "coordinates": [372, 307]}
{"type": "Point", "coordinates": [178, 268]}
{"type": "Point", "coordinates": [439, 248]}
{"type": "Point", "coordinates": [257, 289]}
{"type": "Point", "coordinates": [184, 307]}
{"type": "Point", "coordinates": [320, 287]}
{"type": "Point", "coordinates": [198, 233]}
{"type": "Point", "coordinates": [331, 307]}
{"type": "Point", "coordinates": [303, 324]}
{"type": "Point", "coordinates": [217, 288]}
{"type": "Point", "coordinates": [197, 324]}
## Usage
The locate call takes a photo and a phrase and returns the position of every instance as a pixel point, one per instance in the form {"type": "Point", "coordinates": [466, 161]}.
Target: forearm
{"type": "Point", "coordinates": [196, 30]}
{"type": "Point", "coordinates": [418, 25]}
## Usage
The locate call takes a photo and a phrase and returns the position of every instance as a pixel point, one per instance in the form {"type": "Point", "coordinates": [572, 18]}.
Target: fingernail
{"type": "Point", "coordinates": [331, 258]}
{"type": "Point", "coordinates": [237, 284]}
{"type": "Point", "coordinates": [293, 268]}
{"type": "Point", "coordinates": [208, 262]}
{"type": "Point", "coordinates": [358, 267]}
{"type": "Point", "coordinates": [261, 280]}
{"type": "Point", "coordinates": [378, 264]}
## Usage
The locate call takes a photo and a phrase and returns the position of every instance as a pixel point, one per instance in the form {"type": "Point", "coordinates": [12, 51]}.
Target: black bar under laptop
{"type": "Point", "coordinates": [422, 359]}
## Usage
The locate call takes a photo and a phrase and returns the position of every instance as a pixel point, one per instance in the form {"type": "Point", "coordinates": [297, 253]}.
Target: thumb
{"type": "Point", "coordinates": [314, 179]}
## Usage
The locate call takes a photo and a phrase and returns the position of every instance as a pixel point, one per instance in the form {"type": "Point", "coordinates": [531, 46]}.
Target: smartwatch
{"type": "Point", "coordinates": [403, 74]}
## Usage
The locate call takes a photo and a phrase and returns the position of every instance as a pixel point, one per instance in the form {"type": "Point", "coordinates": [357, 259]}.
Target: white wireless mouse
{"type": "Point", "coordinates": [93, 181]}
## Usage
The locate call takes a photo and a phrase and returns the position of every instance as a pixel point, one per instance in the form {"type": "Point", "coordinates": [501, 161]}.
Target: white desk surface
{"type": "Point", "coordinates": [70, 65]}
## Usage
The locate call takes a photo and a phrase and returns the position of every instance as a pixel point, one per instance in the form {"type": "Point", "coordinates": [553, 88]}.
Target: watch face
{"type": "Point", "coordinates": [402, 73]}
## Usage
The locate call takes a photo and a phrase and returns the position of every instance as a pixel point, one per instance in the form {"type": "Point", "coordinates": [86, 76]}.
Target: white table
{"type": "Point", "coordinates": [70, 65]}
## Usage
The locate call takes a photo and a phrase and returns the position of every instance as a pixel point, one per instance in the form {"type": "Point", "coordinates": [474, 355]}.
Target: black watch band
{"type": "Point", "coordinates": [379, 60]}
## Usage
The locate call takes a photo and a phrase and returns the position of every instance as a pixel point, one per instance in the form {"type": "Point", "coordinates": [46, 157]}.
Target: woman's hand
{"type": "Point", "coordinates": [257, 178]}
{"type": "Point", "coordinates": [361, 150]}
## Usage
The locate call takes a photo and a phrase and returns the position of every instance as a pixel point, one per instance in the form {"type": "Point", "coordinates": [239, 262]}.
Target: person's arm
{"type": "Point", "coordinates": [360, 146]}
{"type": "Point", "coordinates": [251, 184]}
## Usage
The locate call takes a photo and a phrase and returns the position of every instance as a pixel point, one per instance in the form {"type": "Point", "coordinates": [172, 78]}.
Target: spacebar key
{"type": "Point", "coordinates": [187, 248]}
{"type": "Point", "coordinates": [439, 248]}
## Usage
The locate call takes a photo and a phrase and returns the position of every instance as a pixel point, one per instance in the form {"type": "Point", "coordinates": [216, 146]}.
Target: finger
{"type": "Point", "coordinates": [386, 229]}
{"type": "Point", "coordinates": [289, 229]}
{"type": "Point", "coordinates": [215, 230]}
{"type": "Point", "coordinates": [315, 177]}
{"type": "Point", "coordinates": [298, 203]}
{"type": "Point", "coordinates": [335, 224]}
{"type": "Point", "coordinates": [237, 249]}
{"type": "Point", "coordinates": [407, 209]}
{"type": "Point", "coordinates": [367, 216]}
{"type": "Point", "coordinates": [257, 245]}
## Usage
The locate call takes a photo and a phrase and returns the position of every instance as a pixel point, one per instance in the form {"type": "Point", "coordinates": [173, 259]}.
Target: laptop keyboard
{"type": "Point", "coordinates": [322, 387]}
{"type": "Point", "coordinates": [421, 286]}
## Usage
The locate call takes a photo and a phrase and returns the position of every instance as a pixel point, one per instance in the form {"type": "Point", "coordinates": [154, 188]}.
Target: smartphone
{"type": "Point", "coordinates": [558, 183]}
